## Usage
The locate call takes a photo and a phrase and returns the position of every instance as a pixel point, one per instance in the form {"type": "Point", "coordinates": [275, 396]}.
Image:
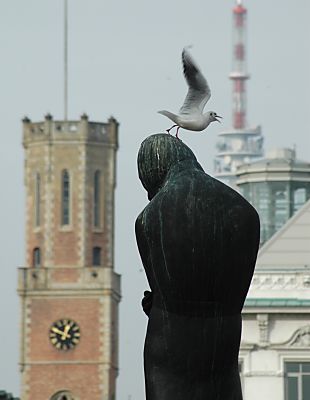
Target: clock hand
{"type": "Point", "coordinates": [65, 332]}
{"type": "Point", "coordinates": [56, 330]}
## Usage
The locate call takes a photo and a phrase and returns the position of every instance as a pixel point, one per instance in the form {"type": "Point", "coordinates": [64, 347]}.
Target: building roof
{"type": "Point", "coordinates": [289, 248]}
{"type": "Point", "coordinates": [279, 165]}
{"type": "Point", "coordinates": [276, 159]}
{"type": "Point", "coordinates": [277, 302]}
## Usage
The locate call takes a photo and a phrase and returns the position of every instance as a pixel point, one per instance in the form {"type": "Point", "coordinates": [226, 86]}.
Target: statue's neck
{"type": "Point", "coordinates": [182, 166]}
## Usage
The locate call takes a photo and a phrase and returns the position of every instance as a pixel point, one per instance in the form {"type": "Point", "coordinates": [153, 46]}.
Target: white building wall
{"type": "Point", "coordinates": [263, 388]}
{"type": "Point", "coordinates": [283, 338]}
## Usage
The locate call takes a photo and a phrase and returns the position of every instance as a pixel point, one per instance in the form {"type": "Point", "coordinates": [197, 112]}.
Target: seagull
{"type": "Point", "coordinates": [191, 116]}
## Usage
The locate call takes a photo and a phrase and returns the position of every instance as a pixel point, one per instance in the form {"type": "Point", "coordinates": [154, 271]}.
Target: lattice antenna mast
{"type": "Point", "coordinates": [65, 60]}
{"type": "Point", "coordinates": [239, 144]}
{"type": "Point", "coordinates": [239, 74]}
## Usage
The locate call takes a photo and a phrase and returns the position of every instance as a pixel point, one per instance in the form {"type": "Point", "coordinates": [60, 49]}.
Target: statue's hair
{"type": "Point", "coordinates": [157, 154]}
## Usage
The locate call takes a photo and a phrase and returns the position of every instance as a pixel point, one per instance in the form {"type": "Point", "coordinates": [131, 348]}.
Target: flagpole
{"type": "Point", "coordinates": [65, 60]}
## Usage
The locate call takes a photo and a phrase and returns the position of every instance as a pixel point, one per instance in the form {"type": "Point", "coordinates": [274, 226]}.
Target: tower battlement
{"type": "Point", "coordinates": [78, 130]}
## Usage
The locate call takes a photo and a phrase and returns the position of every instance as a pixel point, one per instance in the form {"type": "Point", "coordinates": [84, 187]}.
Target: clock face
{"type": "Point", "coordinates": [64, 334]}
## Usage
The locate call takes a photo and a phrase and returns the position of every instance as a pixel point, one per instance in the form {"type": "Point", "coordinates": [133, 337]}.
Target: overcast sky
{"type": "Point", "coordinates": [125, 61]}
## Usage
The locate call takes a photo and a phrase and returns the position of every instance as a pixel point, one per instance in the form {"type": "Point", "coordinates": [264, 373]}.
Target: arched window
{"type": "Point", "coordinates": [96, 256]}
{"type": "Point", "coordinates": [65, 198]}
{"type": "Point", "coordinates": [96, 210]}
{"type": "Point", "coordinates": [63, 395]}
{"type": "Point", "coordinates": [37, 199]}
{"type": "Point", "coordinates": [36, 257]}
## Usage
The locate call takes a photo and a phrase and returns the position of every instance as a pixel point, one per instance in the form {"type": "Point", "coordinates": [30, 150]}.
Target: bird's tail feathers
{"type": "Point", "coordinates": [169, 115]}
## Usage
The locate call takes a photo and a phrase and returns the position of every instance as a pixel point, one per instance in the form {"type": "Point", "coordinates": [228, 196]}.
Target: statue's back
{"type": "Point", "coordinates": [198, 241]}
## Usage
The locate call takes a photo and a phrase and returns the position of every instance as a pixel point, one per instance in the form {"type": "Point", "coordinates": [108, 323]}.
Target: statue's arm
{"type": "Point", "coordinates": [143, 250]}
{"type": "Point", "coordinates": [147, 302]}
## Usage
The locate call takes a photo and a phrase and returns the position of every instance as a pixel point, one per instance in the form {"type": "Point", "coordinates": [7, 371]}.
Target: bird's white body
{"type": "Point", "coordinates": [191, 122]}
{"type": "Point", "coordinates": [191, 116]}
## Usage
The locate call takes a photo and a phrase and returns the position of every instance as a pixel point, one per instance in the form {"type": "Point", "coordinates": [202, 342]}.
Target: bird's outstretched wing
{"type": "Point", "coordinates": [198, 89]}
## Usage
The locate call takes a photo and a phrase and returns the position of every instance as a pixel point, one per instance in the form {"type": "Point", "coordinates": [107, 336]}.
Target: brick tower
{"type": "Point", "coordinates": [68, 289]}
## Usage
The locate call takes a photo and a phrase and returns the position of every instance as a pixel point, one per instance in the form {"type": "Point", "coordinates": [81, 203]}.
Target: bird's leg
{"type": "Point", "coordinates": [168, 130]}
{"type": "Point", "coordinates": [177, 134]}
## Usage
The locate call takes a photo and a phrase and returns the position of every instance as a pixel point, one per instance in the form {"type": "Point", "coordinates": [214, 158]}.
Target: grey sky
{"type": "Point", "coordinates": [125, 60]}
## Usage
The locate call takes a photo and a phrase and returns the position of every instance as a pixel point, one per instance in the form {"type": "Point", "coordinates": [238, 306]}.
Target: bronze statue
{"type": "Point", "coordinates": [198, 240]}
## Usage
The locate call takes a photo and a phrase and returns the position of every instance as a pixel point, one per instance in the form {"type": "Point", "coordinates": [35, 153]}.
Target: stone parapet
{"type": "Point", "coordinates": [68, 131]}
{"type": "Point", "coordinates": [90, 278]}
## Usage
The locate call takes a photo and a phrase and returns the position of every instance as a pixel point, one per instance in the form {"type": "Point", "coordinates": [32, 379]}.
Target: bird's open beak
{"type": "Point", "coordinates": [217, 116]}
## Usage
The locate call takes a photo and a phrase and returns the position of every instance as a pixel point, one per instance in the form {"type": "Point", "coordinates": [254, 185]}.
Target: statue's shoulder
{"type": "Point", "coordinates": [139, 219]}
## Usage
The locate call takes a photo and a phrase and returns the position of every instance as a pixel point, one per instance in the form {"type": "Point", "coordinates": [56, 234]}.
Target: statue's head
{"type": "Point", "coordinates": [157, 154]}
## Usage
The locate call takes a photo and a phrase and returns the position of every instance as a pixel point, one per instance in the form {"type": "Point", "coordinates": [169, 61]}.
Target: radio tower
{"type": "Point", "coordinates": [240, 144]}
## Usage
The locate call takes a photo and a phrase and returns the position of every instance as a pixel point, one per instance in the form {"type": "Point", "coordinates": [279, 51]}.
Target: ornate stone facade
{"type": "Point", "coordinates": [276, 315]}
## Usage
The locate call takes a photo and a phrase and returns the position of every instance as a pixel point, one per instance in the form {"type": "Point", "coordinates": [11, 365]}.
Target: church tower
{"type": "Point", "coordinates": [68, 288]}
